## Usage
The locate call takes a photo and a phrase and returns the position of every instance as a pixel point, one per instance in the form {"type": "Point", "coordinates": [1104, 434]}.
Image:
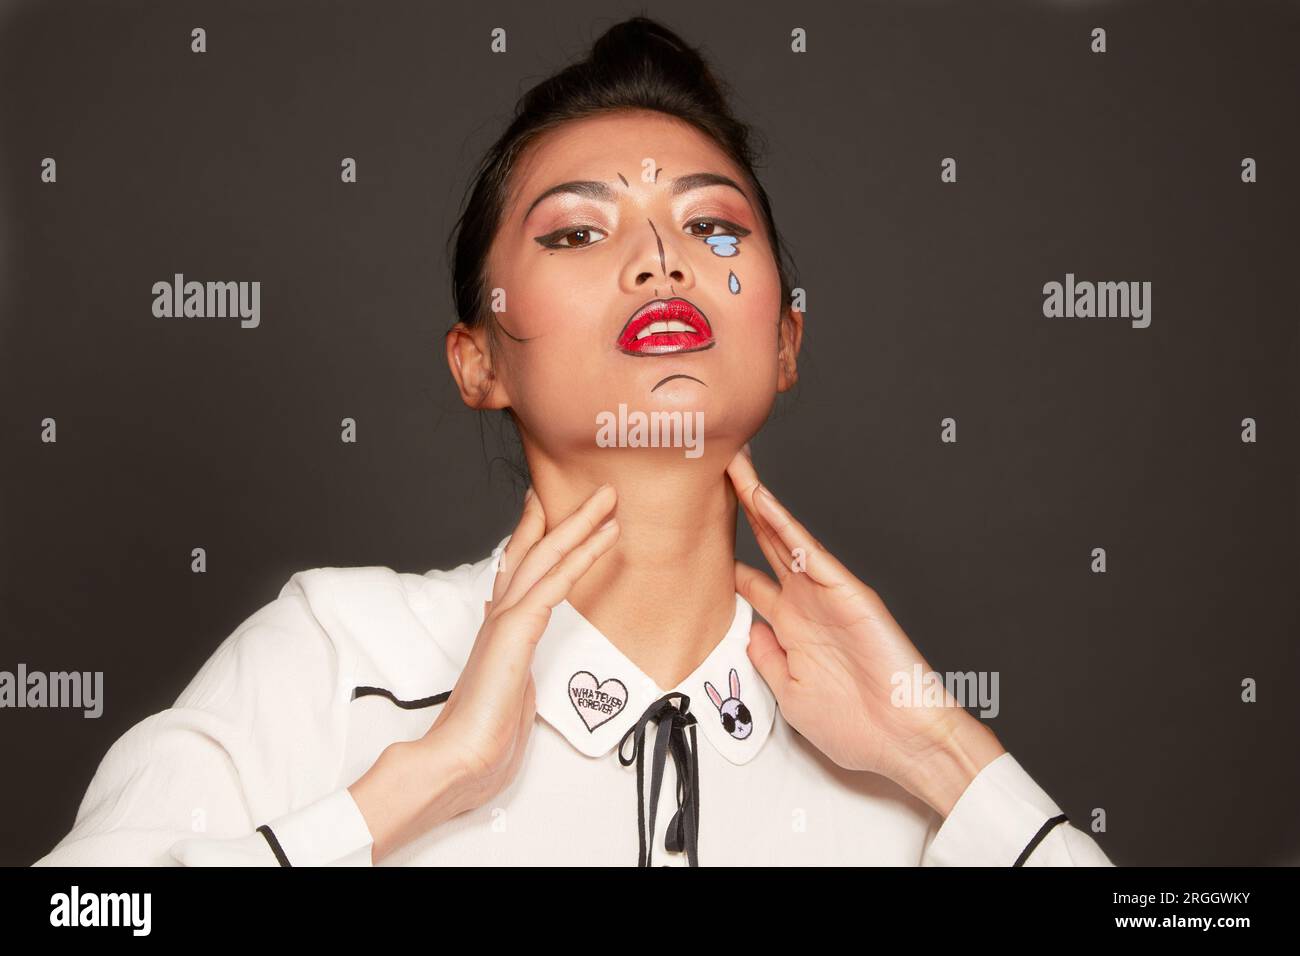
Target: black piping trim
{"type": "Point", "coordinates": [278, 850]}
{"type": "Point", "coordinates": [404, 704]}
{"type": "Point", "coordinates": [1038, 838]}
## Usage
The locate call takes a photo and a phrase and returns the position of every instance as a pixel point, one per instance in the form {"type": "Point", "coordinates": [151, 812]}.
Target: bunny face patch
{"type": "Point", "coordinates": [736, 719]}
{"type": "Point", "coordinates": [597, 702]}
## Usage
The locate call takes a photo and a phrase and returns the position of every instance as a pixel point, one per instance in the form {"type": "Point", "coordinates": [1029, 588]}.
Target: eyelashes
{"type": "Point", "coordinates": [723, 227]}
{"type": "Point", "coordinates": [552, 240]}
{"type": "Point", "coordinates": [727, 229]}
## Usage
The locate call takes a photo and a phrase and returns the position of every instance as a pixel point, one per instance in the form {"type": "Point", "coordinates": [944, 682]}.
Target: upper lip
{"type": "Point", "coordinates": [674, 309]}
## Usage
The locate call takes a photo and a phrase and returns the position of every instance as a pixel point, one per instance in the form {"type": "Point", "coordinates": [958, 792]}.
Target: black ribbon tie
{"type": "Point", "coordinates": [684, 828]}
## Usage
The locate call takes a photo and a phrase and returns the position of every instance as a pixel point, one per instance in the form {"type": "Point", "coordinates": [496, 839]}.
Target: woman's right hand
{"type": "Point", "coordinates": [474, 747]}
{"type": "Point", "coordinates": [489, 715]}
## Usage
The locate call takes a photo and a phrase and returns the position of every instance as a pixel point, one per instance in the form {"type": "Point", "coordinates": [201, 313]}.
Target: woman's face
{"type": "Point", "coordinates": [643, 229]}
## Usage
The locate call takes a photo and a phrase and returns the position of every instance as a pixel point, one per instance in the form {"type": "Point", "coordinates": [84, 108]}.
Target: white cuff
{"type": "Point", "coordinates": [328, 832]}
{"type": "Point", "coordinates": [1000, 815]}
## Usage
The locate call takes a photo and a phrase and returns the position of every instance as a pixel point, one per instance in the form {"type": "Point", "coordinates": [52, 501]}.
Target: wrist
{"type": "Point", "coordinates": [413, 787]}
{"type": "Point", "coordinates": [958, 751]}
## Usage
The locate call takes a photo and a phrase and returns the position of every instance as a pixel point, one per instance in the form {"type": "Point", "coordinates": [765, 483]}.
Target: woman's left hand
{"type": "Point", "coordinates": [832, 655]}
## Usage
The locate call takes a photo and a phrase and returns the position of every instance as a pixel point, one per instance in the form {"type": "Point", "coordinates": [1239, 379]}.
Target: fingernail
{"type": "Point", "coordinates": [529, 495]}
{"type": "Point", "coordinates": [765, 495]}
{"type": "Point", "coordinates": [611, 523]}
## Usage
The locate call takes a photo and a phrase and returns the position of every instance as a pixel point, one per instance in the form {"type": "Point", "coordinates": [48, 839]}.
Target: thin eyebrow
{"type": "Point", "coordinates": [601, 192]}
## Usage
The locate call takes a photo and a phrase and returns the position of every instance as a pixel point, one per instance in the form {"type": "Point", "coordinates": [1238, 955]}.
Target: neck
{"type": "Point", "coordinates": [665, 593]}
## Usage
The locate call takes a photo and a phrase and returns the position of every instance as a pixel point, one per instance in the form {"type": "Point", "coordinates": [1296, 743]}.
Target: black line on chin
{"type": "Point", "coordinates": [678, 375]}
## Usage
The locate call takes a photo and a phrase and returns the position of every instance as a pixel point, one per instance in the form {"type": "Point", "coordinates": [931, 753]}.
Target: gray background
{"type": "Point", "coordinates": [1118, 691]}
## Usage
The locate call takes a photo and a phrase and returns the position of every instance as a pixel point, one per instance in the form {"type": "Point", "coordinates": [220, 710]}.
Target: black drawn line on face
{"type": "Point", "coordinates": [678, 375]}
{"type": "Point", "coordinates": [515, 337]}
{"type": "Point", "coordinates": [663, 266]}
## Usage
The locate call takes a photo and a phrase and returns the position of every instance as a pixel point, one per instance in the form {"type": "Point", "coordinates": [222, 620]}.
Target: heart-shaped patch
{"type": "Point", "coordinates": [597, 702]}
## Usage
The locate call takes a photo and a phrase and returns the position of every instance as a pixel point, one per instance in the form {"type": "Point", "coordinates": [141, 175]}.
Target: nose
{"type": "Point", "coordinates": [658, 261]}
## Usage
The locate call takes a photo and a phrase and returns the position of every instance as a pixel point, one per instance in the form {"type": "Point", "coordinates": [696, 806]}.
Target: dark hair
{"type": "Point", "coordinates": [636, 64]}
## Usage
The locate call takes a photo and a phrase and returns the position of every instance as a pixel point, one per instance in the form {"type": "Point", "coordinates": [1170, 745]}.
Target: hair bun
{"type": "Point", "coordinates": [641, 52]}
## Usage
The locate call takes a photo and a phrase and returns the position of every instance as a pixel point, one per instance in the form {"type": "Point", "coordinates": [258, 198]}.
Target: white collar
{"type": "Point", "coordinates": [590, 692]}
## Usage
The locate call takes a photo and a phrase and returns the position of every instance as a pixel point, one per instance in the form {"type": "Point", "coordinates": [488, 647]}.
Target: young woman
{"type": "Point", "coordinates": [617, 258]}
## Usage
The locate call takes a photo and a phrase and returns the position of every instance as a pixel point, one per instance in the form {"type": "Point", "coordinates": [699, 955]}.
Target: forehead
{"type": "Point", "coordinates": [603, 147]}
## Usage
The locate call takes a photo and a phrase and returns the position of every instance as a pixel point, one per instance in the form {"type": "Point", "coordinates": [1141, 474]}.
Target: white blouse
{"type": "Point", "coordinates": [252, 763]}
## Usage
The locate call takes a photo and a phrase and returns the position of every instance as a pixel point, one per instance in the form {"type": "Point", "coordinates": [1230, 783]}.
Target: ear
{"type": "Point", "coordinates": [713, 695]}
{"type": "Point", "coordinates": [735, 683]}
{"type": "Point", "coordinates": [789, 338]}
{"type": "Point", "coordinates": [470, 361]}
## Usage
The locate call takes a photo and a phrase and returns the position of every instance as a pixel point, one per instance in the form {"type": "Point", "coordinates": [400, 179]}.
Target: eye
{"type": "Point", "coordinates": [716, 227]}
{"type": "Point", "coordinates": [552, 241]}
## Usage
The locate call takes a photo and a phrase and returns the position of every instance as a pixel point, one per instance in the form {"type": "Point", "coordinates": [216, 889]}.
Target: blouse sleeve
{"type": "Point", "coordinates": [1005, 819]}
{"type": "Point", "coordinates": [243, 769]}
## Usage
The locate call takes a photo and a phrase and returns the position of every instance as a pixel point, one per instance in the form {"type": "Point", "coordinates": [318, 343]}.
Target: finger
{"type": "Point", "coordinates": [767, 544]}
{"type": "Point", "coordinates": [555, 585]}
{"type": "Point", "coordinates": [531, 528]}
{"type": "Point", "coordinates": [552, 547]}
{"type": "Point", "coordinates": [562, 539]}
{"type": "Point", "coordinates": [745, 479]}
{"type": "Point", "coordinates": [768, 658]}
{"type": "Point", "coordinates": [818, 563]}
{"type": "Point", "coordinates": [743, 476]}
{"type": "Point", "coordinates": [758, 589]}
{"type": "Point", "coordinates": [510, 661]}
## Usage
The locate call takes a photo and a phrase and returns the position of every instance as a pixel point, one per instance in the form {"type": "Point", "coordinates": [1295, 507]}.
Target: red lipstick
{"type": "Point", "coordinates": [665, 326]}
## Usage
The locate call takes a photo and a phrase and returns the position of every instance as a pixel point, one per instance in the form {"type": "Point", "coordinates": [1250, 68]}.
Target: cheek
{"type": "Point", "coordinates": [559, 382]}
{"type": "Point", "coordinates": [751, 353]}
{"type": "Point", "coordinates": [553, 300]}
{"type": "Point", "coordinates": [757, 309]}
{"type": "Point", "coordinates": [740, 275]}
